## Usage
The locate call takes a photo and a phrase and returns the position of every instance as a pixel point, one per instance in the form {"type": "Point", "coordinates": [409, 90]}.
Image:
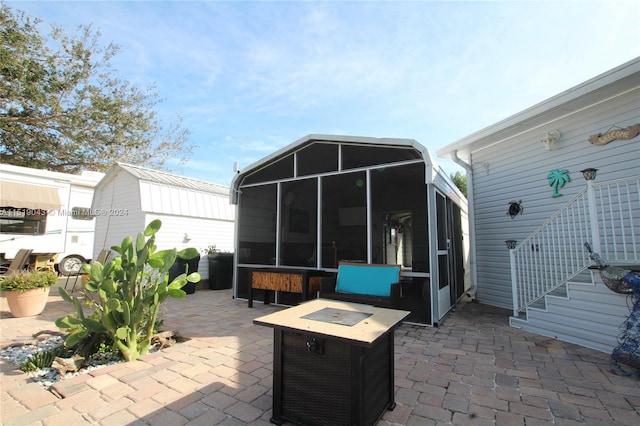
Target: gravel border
{"type": "Point", "coordinates": [18, 354]}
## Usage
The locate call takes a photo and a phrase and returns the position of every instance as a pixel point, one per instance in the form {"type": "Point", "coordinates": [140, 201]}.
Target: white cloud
{"type": "Point", "coordinates": [256, 76]}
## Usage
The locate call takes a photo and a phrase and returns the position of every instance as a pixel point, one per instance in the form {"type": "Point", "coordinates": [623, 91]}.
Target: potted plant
{"type": "Point", "coordinates": [188, 265]}
{"type": "Point", "coordinates": [220, 268]}
{"type": "Point", "coordinates": [27, 291]}
{"type": "Point", "coordinates": [210, 250]}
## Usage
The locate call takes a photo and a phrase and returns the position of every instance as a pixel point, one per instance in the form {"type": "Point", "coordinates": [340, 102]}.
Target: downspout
{"type": "Point", "coordinates": [472, 223]}
{"type": "Point", "coordinates": [235, 199]}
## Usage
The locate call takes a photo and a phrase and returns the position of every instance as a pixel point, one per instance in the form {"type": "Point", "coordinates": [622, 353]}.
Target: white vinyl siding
{"type": "Point", "coordinates": [118, 191]}
{"type": "Point", "coordinates": [193, 213]}
{"type": "Point", "coordinates": [591, 316]}
{"type": "Point", "coordinates": [162, 199]}
{"type": "Point", "coordinates": [201, 232]}
{"type": "Point", "coordinates": [517, 169]}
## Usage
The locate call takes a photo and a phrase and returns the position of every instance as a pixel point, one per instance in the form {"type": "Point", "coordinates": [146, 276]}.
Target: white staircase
{"type": "Point", "coordinates": [554, 294]}
{"type": "Point", "coordinates": [582, 311]}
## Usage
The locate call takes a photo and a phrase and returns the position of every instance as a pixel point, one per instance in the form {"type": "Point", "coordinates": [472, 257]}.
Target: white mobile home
{"type": "Point", "coordinates": [526, 189]}
{"type": "Point", "coordinates": [194, 213]}
{"type": "Point", "coordinates": [47, 212]}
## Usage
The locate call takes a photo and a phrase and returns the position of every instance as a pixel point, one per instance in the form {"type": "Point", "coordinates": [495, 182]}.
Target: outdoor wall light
{"type": "Point", "coordinates": [550, 139]}
{"type": "Point", "coordinates": [589, 174]}
{"type": "Point", "coordinates": [511, 244]}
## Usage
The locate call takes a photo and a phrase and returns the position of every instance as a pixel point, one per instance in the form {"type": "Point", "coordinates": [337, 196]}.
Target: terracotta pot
{"type": "Point", "coordinates": [28, 303]}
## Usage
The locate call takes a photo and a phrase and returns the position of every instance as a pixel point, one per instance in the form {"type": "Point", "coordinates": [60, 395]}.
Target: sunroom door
{"type": "Point", "coordinates": [444, 246]}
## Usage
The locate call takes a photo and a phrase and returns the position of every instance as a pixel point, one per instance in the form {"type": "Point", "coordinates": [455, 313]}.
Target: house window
{"type": "Point", "coordinates": [362, 156]}
{"type": "Point", "coordinates": [280, 169]}
{"type": "Point", "coordinates": [22, 221]}
{"type": "Point", "coordinates": [257, 225]}
{"type": "Point", "coordinates": [81, 213]}
{"type": "Point", "coordinates": [399, 232]}
{"type": "Point", "coordinates": [317, 158]}
{"type": "Point", "coordinates": [298, 222]}
{"type": "Point", "coordinates": [344, 218]}
{"type": "Point", "coordinates": [281, 218]}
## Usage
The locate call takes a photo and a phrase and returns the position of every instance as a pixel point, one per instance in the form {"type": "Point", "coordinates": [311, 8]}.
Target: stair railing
{"type": "Point", "coordinates": [554, 253]}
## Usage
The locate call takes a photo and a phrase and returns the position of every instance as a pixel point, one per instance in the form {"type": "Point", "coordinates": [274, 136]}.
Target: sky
{"type": "Point", "coordinates": [249, 78]}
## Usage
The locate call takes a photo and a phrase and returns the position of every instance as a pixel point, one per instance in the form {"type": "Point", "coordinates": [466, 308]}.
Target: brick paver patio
{"type": "Point", "coordinates": [474, 370]}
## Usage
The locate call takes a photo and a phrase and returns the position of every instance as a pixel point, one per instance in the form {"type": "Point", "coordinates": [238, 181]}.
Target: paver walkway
{"type": "Point", "coordinates": [474, 370]}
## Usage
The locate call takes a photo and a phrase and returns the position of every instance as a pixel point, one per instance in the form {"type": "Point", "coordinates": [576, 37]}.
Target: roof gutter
{"type": "Point", "coordinates": [472, 222]}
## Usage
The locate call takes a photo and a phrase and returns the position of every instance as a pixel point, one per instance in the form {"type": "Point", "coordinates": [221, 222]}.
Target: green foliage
{"type": "Point", "coordinates": [460, 181]}
{"type": "Point", "coordinates": [93, 342]}
{"type": "Point", "coordinates": [27, 280]}
{"type": "Point", "coordinates": [44, 359]}
{"type": "Point", "coordinates": [128, 291]}
{"type": "Point", "coordinates": [63, 107]}
{"type": "Point", "coordinates": [210, 250]}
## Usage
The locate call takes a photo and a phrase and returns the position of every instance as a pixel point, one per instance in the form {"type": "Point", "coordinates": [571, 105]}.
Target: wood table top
{"type": "Point", "coordinates": [362, 324]}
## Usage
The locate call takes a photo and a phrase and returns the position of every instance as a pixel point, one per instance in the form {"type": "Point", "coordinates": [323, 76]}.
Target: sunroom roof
{"type": "Point", "coordinates": [315, 156]}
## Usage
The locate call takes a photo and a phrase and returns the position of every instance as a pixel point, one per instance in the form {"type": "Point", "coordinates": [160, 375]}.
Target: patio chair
{"type": "Point", "coordinates": [103, 256]}
{"type": "Point", "coordinates": [19, 262]}
{"type": "Point", "coordinates": [46, 262]}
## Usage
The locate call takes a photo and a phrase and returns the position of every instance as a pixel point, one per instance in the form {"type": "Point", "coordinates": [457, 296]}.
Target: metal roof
{"type": "Point", "coordinates": [85, 178]}
{"type": "Point", "coordinates": [169, 179]}
{"type": "Point", "coordinates": [433, 169]}
{"type": "Point", "coordinates": [357, 140]}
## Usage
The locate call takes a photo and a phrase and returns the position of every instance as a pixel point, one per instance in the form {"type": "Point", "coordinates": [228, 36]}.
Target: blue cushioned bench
{"type": "Point", "coordinates": [376, 285]}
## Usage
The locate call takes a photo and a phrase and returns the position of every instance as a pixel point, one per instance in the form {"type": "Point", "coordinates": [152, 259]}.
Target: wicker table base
{"type": "Point", "coordinates": [328, 373]}
{"type": "Point", "coordinates": [303, 282]}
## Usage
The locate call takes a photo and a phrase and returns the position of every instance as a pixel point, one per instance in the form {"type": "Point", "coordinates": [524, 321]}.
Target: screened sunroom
{"type": "Point", "coordinates": [326, 199]}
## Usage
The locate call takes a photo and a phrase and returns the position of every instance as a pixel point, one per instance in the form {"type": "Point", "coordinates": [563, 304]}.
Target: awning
{"type": "Point", "coordinates": [25, 196]}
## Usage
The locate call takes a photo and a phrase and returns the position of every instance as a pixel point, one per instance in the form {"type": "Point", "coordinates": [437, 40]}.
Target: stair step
{"type": "Point", "coordinates": [583, 277]}
{"type": "Point", "coordinates": [539, 304]}
{"type": "Point", "coordinates": [559, 292]}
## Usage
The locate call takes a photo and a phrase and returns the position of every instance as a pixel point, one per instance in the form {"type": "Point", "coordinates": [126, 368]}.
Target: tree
{"type": "Point", "coordinates": [460, 181]}
{"type": "Point", "coordinates": [63, 108]}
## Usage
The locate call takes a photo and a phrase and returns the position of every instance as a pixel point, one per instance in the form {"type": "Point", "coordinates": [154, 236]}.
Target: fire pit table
{"type": "Point", "coordinates": [333, 362]}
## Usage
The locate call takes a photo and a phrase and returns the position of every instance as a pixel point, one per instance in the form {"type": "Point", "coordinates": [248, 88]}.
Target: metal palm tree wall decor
{"type": "Point", "coordinates": [557, 179]}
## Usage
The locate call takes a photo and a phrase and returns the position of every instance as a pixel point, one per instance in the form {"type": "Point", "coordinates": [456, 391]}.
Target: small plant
{"type": "Point", "coordinates": [210, 250]}
{"type": "Point", "coordinates": [129, 290]}
{"type": "Point", "coordinates": [27, 280]}
{"type": "Point", "coordinates": [44, 359]}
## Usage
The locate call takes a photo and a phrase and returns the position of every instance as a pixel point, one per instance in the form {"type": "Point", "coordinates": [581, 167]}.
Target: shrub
{"type": "Point", "coordinates": [27, 280]}
{"type": "Point", "coordinates": [129, 290]}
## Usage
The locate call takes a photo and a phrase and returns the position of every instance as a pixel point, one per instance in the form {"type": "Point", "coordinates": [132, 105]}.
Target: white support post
{"type": "Point", "coordinates": [593, 218]}
{"type": "Point", "coordinates": [514, 282]}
